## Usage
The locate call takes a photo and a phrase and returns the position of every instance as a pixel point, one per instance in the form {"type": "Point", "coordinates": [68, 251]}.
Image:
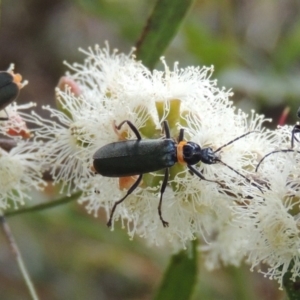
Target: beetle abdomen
{"type": "Point", "coordinates": [133, 157]}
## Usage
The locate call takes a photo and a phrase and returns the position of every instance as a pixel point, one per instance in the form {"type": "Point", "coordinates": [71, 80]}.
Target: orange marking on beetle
{"type": "Point", "coordinates": [92, 168]}
{"type": "Point", "coordinates": [180, 158]}
{"type": "Point", "coordinates": [125, 183]}
{"type": "Point", "coordinates": [17, 79]}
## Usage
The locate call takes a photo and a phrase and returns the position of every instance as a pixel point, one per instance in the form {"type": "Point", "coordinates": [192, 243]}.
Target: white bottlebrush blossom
{"type": "Point", "coordinates": [86, 120]}
{"type": "Point", "coordinates": [243, 214]}
{"type": "Point", "coordinates": [227, 245]}
{"type": "Point", "coordinates": [271, 222]}
{"type": "Point", "coordinates": [115, 87]}
{"type": "Point", "coordinates": [64, 142]}
{"type": "Point", "coordinates": [21, 168]}
{"type": "Point", "coordinates": [20, 172]}
{"type": "Point", "coordinates": [16, 125]}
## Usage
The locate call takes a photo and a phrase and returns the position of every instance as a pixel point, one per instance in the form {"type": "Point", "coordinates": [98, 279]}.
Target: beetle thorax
{"type": "Point", "coordinates": [191, 153]}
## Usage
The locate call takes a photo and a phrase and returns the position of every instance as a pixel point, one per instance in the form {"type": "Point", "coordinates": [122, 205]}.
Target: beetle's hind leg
{"type": "Point", "coordinates": [132, 127]}
{"type": "Point", "coordinates": [133, 187]}
{"type": "Point", "coordinates": [162, 190]}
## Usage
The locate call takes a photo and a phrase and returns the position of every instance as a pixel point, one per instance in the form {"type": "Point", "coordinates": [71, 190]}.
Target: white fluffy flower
{"type": "Point", "coordinates": [114, 87]}
{"type": "Point", "coordinates": [237, 211]}
{"type": "Point", "coordinates": [85, 121]}
{"type": "Point", "coordinates": [271, 221]}
{"type": "Point", "coordinates": [20, 172]}
{"type": "Point", "coordinates": [16, 125]}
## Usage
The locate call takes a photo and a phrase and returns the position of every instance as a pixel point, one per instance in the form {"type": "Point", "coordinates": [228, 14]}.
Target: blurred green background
{"type": "Point", "coordinates": [255, 48]}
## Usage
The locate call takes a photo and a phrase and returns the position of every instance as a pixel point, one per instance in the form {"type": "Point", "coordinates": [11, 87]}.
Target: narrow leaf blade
{"type": "Point", "coordinates": [160, 29]}
{"type": "Point", "coordinates": [180, 277]}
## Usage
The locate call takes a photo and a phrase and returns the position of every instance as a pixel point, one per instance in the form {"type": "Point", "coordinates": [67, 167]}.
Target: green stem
{"type": "Point", "coordinates": [43, 206]}
{"type": "Point", "coordinates": [181, 276]}
{"type": "Point", "coordinates": [292, 288]}
{"type": "Point", "coordinates": [18, 257]}
{"type": "Point", "coordinates": [241, 287]}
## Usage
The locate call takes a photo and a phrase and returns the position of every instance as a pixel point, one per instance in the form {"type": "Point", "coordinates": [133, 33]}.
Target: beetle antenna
{"type": "Point", "coordinates": [295, 130]}
{"type": "Point", "coordinates": [277, 151]}
{"type": "Point", "coordinates": [237, 172]}
{"type": "Point", "coordinates": [239, 137]}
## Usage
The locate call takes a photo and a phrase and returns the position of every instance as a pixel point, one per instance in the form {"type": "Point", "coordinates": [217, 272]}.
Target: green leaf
{"type": "Point", "coordinates": [160, 29]}
{"type": "Point", "coordinates": [210, 49]}
{"type": "Point", "coordinates": [180, 277]}
{"type": "Point", "coordinates": [288, 50]}
{"type": "Point", "coordinates": [125, 17]}
{"type": "Point", "coordinates": [44, 206]}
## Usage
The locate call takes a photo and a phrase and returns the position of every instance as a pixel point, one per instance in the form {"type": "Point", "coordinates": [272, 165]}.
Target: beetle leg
{"type": "Point", "coordinates": [133, 187]}
{"type": "Point", "coordinates": [132, 127]}
{"type": "Point", "coordinates": [295, 130]}
{"type": "Point", "coordinates": [199, 174]}
{"type": "Point", "coordinates": [181, 135]}
{"type": "Point", "coordinates": [162, 190]}
{"type": "Point", "coordinates": [167, 129]}
{"type": "Point", "coordinates": [120, 136]}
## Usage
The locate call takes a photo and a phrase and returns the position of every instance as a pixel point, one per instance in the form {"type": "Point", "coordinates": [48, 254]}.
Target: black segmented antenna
{"type": "Point", "coordinates": [295, 130]}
